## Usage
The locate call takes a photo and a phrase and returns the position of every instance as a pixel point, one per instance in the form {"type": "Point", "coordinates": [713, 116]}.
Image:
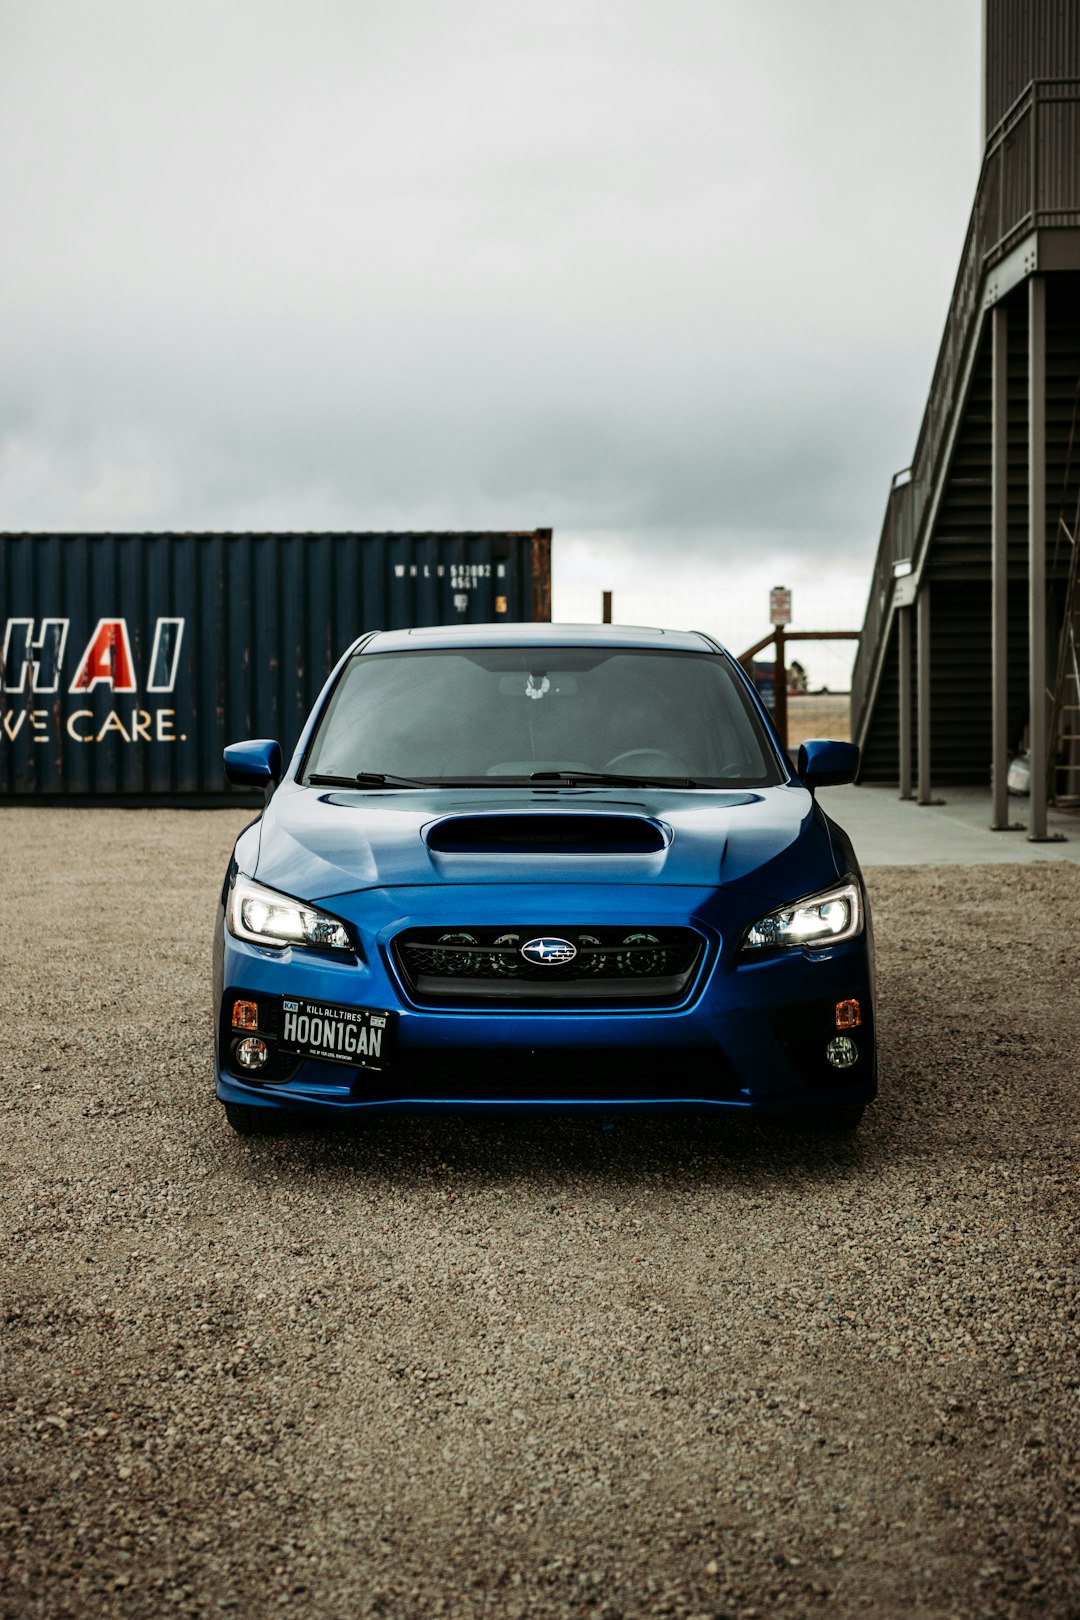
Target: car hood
{"type": "Point", "coordinates": [316, 842]}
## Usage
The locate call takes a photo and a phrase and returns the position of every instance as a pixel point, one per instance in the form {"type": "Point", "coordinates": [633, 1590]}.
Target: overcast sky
{"type": "Point", "coordinates": [666, 275]}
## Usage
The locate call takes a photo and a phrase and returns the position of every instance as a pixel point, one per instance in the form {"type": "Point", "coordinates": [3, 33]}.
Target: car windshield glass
{"type": "Point", "coordinates": [485, 714]}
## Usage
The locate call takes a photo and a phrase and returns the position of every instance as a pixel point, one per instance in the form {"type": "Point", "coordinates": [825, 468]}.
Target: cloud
{"type": "Point", "coordinates": [600, 264]}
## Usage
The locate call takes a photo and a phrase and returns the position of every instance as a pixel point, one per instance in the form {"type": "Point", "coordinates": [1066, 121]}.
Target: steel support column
{"type": "Point", "coordinates": [923, 611]}
{"type": "Point", "coordinates": [999, 567]}
{"type": "Point", "coordinates": [1037, 723]}
{"type": "Point", "coordinates": [903, 616]}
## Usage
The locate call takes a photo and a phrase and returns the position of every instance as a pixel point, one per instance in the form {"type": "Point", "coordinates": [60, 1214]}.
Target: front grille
{"type": "Point", "coordinates": [627, 964]}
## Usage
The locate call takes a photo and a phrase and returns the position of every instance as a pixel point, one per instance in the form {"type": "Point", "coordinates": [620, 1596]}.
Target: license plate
{"type": "Point", "coordinates": [358, 1036]}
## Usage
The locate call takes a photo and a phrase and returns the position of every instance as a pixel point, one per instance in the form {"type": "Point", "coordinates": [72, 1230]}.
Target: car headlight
{"type": "Point", "coordinates": [267, 918]}
{"type": "Point", "coordinates": [827, 918]}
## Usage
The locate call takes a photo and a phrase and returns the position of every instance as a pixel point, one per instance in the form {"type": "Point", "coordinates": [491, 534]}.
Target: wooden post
{"type": "Point", "coordinates": [607, 607]}
{"type": "Point", "coordinates": [780, 686]}
{"type": "Point", "coordinates": [540, 561]}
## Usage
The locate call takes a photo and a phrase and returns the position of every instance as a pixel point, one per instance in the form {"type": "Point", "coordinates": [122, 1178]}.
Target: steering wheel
{"type": "Point", "coordinates": [648, 761]}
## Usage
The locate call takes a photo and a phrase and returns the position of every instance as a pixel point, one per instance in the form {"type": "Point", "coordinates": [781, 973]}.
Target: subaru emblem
{"type": "Point", "coordinates": [549, 952]}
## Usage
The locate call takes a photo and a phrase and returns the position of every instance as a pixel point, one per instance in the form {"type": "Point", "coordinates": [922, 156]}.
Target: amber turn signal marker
{"type": "Point", "coordinates": [848, 1014]}
{"type": "Point", "coordinates": [245, 1015]}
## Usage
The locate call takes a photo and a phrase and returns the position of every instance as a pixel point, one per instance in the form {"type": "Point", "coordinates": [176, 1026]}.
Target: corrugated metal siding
{"type": "Point", "coordinates": [1025, 40]}
{"type": "Point", "coordinates": [1059, 147]}
{"type": "Point", "coordinates": [960, 677]}
{"type": "Point", "coordinates": [264, 618]}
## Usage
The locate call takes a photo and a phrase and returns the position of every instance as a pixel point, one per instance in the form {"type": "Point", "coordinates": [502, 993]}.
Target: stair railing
{"type": "Point", "coordinates": [1018, 192]}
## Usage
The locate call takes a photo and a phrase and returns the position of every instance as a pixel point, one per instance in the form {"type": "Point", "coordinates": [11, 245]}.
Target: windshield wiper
{"type": "Point", "coordinates": [365, 779]}
{"type": "Point", "coordinates": [378, 779]}
{"type": "Point", "coordinates": [607, 779]}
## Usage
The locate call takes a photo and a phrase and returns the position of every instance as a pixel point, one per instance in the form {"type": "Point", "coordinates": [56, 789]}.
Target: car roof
{"type": "Point", "coordinates": [538, 635]}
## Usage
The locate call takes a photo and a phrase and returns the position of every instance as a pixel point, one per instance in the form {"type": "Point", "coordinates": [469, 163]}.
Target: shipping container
{"type": "Point", "coordinates": [130, 660]}
{"type": "Point", "coordinates": [763, 676]}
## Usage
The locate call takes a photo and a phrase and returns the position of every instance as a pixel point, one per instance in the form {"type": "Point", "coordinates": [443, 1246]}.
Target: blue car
{"type": "Point", "coordinates": [546, 866]}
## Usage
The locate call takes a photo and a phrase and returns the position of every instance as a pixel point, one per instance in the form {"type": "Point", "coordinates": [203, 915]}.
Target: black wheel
{"type": "Point", "coordinates": [843, 1119]}
{"type": "Point", "coordinates": [247, 1121]}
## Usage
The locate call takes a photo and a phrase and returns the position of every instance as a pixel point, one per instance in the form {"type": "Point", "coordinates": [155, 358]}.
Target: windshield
{"type": "Point", "coordinates": [485, 714]}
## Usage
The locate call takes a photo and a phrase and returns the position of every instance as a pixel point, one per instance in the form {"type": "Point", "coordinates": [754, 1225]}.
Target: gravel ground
{"type": "Point", "coordinates": [476, 1368]}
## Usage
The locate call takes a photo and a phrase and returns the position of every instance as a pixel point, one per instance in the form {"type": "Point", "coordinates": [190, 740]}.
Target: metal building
{"type": "Point", "coordinates": [970, 643]}
{"type": "Point", "coordinates": [129, 661]}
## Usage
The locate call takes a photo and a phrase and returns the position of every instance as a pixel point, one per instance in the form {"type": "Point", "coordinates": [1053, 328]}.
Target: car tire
{"type": "Point", "coordinates": [842, 1119]}
{"type": "Point", "coordinates": [247, 1121]}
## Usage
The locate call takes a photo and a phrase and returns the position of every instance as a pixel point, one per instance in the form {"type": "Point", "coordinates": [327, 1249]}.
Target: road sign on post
{"type": "Point", "coordinates": [780, 605]}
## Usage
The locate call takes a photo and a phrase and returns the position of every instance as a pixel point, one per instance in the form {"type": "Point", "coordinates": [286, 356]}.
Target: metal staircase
{"type": "Point", "coordinates": [936, 539]}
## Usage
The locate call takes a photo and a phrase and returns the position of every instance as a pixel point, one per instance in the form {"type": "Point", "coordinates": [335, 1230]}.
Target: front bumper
{"type": "Point", "coordinates": [747, 1035]}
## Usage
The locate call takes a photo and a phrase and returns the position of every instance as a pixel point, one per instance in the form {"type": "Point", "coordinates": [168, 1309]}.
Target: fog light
{"type": "Point", "coordinates": [252, 1053]}
{"type": "Point", "coordinates": [841, 1052]}
{"type": "Point", "coordinates": [245, 1015]}
{"type": "Point", "coordinates": [848, 1015]}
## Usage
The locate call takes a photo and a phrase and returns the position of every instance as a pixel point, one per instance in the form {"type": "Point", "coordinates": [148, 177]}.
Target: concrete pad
{"type": "Point", "coordinates": [889, 831]}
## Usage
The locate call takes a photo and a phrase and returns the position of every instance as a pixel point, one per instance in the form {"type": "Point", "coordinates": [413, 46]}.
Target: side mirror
{"type": "Point", "coordinates": [827, 764]}
{"type": "Point", "coordinates": [256, 763]}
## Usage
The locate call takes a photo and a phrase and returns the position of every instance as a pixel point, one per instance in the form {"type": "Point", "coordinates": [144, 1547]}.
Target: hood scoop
{"type": "Point", "coordinates": [566, 832]}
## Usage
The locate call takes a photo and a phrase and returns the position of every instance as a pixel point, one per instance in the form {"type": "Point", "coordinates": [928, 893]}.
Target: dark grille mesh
{"type": "Point", "coordinates": [607, 964]}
